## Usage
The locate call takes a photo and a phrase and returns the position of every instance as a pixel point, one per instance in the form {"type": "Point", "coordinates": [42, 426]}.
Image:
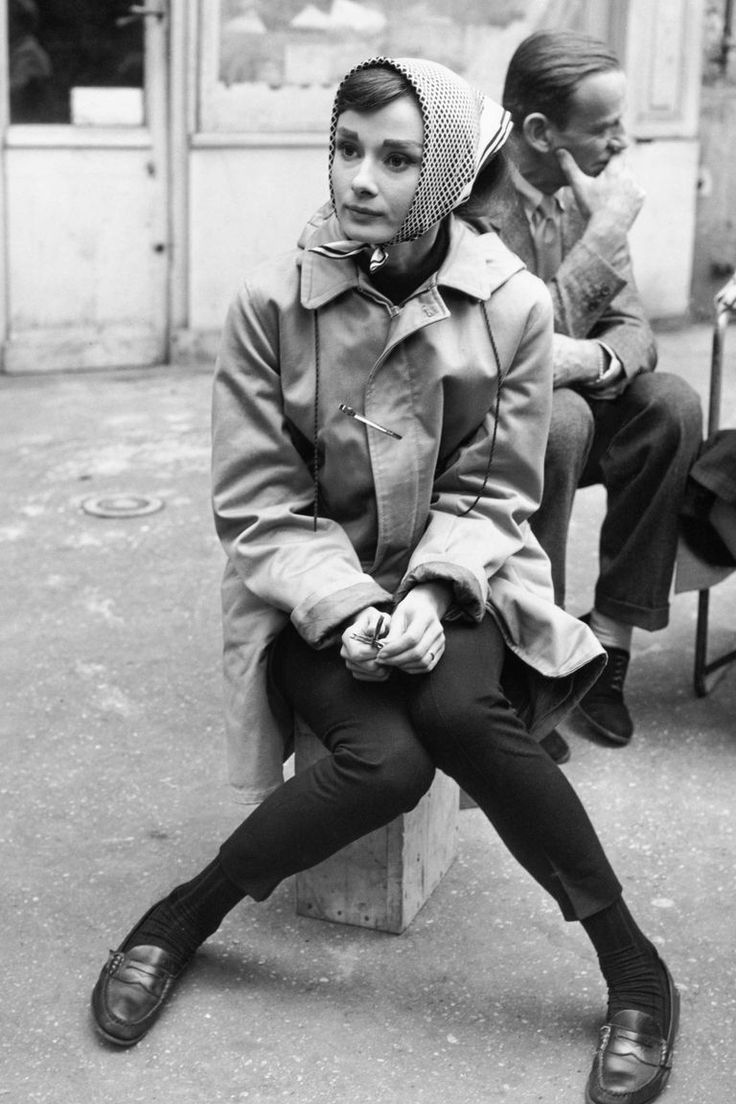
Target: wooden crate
{"type": "Point", "coordinates": [382, 880]}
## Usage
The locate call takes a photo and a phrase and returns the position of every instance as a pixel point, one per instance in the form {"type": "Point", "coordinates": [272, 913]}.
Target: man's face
{"type": "Point", "coordinates": [594, 131]}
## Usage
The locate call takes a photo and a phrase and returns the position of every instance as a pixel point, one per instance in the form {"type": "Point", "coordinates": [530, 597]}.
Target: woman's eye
{"type": "Point", "coordinates": [347, 150]}
{"type": "Point", "coordinates": [397, 161]}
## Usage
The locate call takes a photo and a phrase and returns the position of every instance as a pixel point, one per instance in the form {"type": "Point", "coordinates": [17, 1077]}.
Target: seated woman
{"type": "Point", "coordinates": [381, 405]}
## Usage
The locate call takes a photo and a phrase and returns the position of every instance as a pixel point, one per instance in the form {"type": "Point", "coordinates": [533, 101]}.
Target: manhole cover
{"type": "Point", "coordinates": [121, 505]}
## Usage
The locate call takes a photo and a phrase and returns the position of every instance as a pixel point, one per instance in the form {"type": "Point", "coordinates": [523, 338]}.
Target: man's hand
{"type": "Point", "coordinates": [611, 200]}
{"type": "Point", "coordinates": [575, 360]}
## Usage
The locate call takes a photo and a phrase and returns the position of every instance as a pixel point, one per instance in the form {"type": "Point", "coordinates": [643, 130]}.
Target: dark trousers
{"type": "Point", "coordinates": [640, 446]}
{"type": "Point", "coordinates": [385, 741]}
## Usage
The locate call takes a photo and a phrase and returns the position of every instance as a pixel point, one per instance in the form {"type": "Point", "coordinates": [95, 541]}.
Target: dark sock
{"type": "Point", "coordinates": [190, 913]}
{"type": "Point", "coordinates": [629, 962]}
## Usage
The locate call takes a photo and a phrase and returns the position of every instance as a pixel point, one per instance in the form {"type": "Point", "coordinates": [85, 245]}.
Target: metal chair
{"type": "Point", "coordinates": [692, 572]}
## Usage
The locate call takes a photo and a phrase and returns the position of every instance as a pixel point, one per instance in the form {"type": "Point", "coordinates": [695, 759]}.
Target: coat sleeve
{"type": "Point", "coordinates": [594, 296]}
{"type": "Point", "coordinates": [484, 497]}
{"type": "Point", "coordinates": [263, 490]}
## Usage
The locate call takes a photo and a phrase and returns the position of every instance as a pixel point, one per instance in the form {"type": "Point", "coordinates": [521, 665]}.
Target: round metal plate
{"type": "Point", "coordinates": [122, 505]}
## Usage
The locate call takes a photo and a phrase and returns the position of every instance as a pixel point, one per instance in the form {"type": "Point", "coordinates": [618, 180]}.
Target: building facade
{"type": "Point", "coordinates": [152, 153]}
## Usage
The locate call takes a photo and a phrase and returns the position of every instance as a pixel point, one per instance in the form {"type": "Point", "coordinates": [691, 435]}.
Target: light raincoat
{"type": "Point", "coordinates": [462, 371]}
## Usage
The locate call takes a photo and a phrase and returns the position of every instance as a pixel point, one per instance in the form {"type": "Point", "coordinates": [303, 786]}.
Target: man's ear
{"type": "Point", "coordinates": [535, 129]}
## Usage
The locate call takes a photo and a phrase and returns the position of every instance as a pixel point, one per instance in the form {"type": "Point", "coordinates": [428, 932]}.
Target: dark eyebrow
{"type": "Point", "coordinates": [389, 143]}
{"type": "Point", "coordinates": [397, 143]}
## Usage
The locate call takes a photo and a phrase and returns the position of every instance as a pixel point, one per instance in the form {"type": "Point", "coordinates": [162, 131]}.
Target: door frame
{"type": "Point", "coordinates": [168, 153]}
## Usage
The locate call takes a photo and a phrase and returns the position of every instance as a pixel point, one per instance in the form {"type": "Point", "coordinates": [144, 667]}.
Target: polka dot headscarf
{"type": "Point", "coordinates": [463, 129]}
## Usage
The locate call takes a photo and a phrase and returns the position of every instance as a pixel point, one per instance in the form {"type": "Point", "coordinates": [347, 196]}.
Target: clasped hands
{"type": "Point", "coordinates": [410, 639]}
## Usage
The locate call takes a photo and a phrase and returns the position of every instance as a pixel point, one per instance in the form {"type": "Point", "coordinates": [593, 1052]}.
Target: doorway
{"type": "Point", "coordinates": [86, 185]}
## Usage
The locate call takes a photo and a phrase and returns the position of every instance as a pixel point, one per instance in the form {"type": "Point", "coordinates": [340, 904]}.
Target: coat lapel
{"type": "Point", "coordinates": [507, 217]}
{"type": "Point", "coordinates": [504, 212]}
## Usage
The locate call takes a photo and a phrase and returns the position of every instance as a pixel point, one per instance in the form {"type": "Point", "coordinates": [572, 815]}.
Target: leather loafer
{"type": "Point", "coordinates": [633, 1059]}
{"type": "Point", "coordinates": [131, 991]}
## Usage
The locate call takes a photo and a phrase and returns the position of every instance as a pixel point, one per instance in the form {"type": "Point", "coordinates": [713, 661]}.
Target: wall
{"type": "Point", "coordinates": [245, 203]}
{"type": "Point", "coordinates": [715, 236]}
{"type": "Point", "coordinates": [662, 236]}
{"type": "Point", "coordinates": [233, 198]}
{"type": "Point", "coordinates": [247, 200]}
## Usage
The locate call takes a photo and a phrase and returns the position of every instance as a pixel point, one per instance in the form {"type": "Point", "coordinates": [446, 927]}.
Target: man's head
{"type": "Point", "coordinates": [565, 90]}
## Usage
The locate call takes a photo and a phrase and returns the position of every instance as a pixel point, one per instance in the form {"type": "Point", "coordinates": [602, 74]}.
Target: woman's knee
{"type": "Point", "coordinates": [447, 719]}
{"type": "Point", "coordinates": [397, 773]}
{"type": "Point", "coordinates": [408, 780]}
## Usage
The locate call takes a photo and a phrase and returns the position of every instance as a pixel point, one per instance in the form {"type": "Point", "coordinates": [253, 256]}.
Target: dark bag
{"type": "Point", "coordinates": [708, 519]}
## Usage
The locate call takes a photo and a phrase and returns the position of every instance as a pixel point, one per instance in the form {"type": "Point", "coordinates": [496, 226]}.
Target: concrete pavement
{"type": "Point", "coordinates": [113, 788]}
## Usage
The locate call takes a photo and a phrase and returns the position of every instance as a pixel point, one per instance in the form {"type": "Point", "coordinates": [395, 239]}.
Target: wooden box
{"type": "Point", "coordinates": [382, 880]}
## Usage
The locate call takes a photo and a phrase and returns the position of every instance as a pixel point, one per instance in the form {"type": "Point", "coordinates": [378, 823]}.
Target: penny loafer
{"type": "Point", "coordinates": [131, 991]}
{"type": "Point", "coordinates": [633, 1059]}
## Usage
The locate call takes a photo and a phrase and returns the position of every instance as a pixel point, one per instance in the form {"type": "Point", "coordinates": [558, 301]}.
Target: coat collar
{"type": "Point", "coordinates": [475, 264]}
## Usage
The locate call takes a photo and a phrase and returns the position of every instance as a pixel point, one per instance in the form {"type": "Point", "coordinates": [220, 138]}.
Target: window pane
{"type": "Point", "coordinates": [57, 46]}
{"type": "Point", "coordinates": [304, 43]}
{"type": "Point", "coordinates": [264, 51]}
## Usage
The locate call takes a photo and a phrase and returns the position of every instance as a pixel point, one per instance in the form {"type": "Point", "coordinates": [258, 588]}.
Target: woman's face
{"type": "Point", "coordinates": [375, 170]}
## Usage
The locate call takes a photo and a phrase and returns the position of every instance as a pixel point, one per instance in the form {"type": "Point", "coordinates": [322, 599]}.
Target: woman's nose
{"type": "Point", "coordinates": [363, 179]}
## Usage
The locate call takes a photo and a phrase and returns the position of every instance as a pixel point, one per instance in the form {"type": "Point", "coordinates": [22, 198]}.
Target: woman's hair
{"type": "Point", "coordinates": [547, 68]}
{"type": "Point", "coordinates": [371, 89]}
{"type": "Point", "coordinates": [490, 178]}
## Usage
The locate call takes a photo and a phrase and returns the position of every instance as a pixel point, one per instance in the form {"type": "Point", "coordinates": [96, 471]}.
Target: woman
{"type": "Point", "coordinates": [381, 407]}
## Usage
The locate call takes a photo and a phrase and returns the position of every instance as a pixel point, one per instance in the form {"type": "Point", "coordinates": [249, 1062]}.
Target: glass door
{"type": "Point", "coordinates": [85, 157]}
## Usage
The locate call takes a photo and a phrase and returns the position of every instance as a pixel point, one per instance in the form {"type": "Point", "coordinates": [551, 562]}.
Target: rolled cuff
{"type": "Point", "coordinates": [318, 617]}
{"type": "Point", "coordinates": [469, 590]}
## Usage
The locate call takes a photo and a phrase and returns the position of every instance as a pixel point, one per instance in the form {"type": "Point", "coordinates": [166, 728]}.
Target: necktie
{"type": "Point", "coordinates": [546, 235]}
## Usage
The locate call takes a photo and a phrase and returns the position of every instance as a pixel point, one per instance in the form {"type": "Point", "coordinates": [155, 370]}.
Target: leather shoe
{"type": "Point", "coordinates": [603, 707]}
{"type": "Point", "coordinates": [131, 991]}
{"type": "Point", "coordinates": [634, 1059]}
{"type": "Point", "coordinates": [556, 747]}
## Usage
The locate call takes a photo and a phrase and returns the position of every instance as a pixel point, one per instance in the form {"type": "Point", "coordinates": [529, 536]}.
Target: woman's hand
{"type": "Point", "coordinates": [361, 645]}
{"type": "Point", "coordinates": [416, 640]}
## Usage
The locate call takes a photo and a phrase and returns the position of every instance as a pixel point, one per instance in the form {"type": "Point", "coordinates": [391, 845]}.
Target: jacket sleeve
{"type": "Point", "coordinates": [263, 489]}
{"type": "Point", "coordinates": [594, 296]}
{"type": "Point", "coordinates": [485, 495]}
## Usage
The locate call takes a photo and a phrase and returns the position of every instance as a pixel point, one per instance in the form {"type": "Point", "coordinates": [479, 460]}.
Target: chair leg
{"type": "Point", "coordinates": [701, 645]}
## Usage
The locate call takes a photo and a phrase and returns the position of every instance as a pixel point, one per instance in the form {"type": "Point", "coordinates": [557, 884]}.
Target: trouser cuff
{"type": "Point", "coordinates": [640, 617]}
